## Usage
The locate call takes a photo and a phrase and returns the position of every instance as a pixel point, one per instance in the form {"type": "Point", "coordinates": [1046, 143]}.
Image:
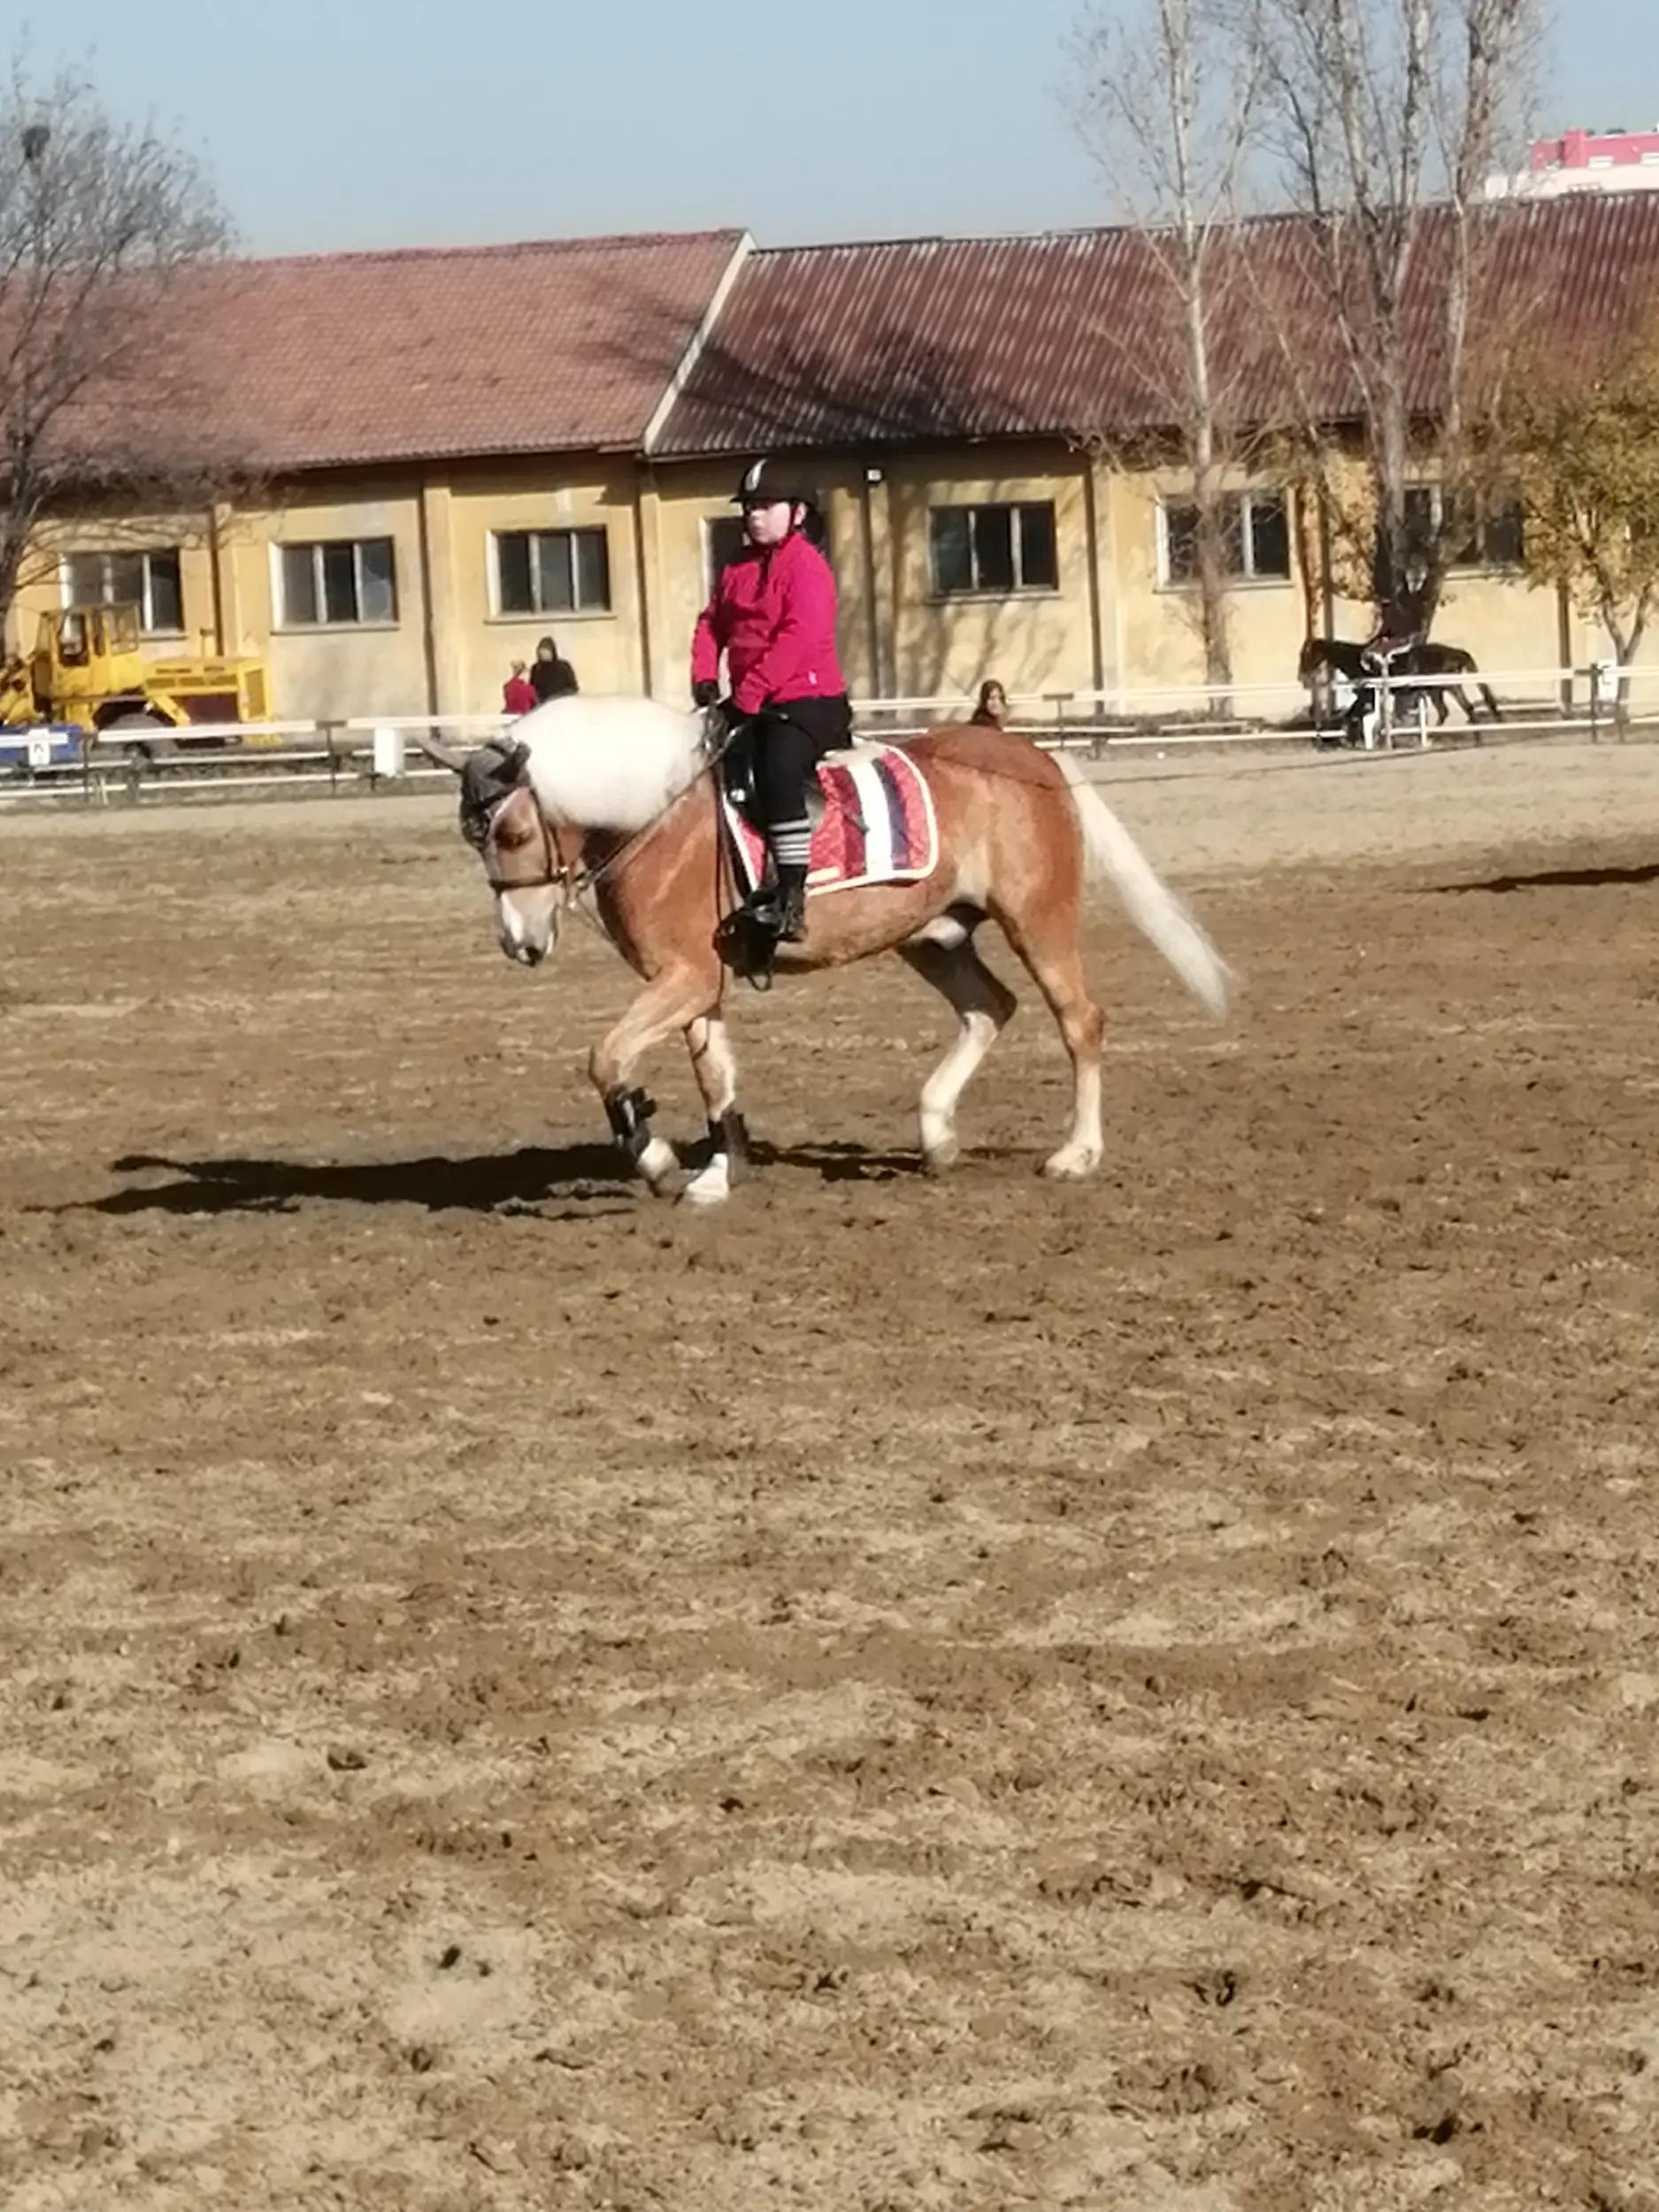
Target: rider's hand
{"type": "Point", "coordinates": [706, 693]}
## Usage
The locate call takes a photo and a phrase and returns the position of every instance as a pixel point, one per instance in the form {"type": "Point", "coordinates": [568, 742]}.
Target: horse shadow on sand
{"type": "Point", "coordinates": [1553, 880]}
{"type": "Point", "coordinates": [583, 1181]}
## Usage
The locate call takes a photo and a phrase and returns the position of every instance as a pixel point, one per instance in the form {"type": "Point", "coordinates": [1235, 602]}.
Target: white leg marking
{"type": "Point", "coordinates": [945, 1086]}
{"type": "Point", "coordinates": [712, 1063]}
{"type": "Point", "coordinates": [1083, 1150]}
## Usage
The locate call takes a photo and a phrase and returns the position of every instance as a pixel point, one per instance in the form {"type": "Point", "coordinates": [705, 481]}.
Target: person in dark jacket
{"type": "Point", "coordinates": [551, 678]}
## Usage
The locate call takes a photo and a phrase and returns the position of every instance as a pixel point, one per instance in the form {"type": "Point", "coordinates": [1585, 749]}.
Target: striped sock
{"type": "Point", "coordinates": [791, 843]}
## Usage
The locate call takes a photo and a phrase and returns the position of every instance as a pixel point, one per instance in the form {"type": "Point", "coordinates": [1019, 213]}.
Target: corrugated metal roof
{"type": "Point", "coordinates": [389, 357]}
{"type": "Point", "coordinates": [1071, 333]}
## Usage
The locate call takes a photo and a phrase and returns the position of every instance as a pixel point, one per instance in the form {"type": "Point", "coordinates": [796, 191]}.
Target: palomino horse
{"type": "Point", "coordinates": [1441, 668]}
{"type": "Point", "coordinates": [619, 795]}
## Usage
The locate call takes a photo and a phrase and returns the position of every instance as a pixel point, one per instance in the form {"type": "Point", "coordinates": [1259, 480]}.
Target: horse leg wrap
{"type": "Point", "coordinates": [730, 1134]}
{"type": "Point", "coordinates": [630, 1113]}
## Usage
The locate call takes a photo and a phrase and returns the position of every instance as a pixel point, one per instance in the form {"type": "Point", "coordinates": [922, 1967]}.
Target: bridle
{"type": "Point", "coordinates": [551, 871]}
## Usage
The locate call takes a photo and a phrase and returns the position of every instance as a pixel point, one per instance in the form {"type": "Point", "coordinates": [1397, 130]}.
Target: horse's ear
{"type": "Point", "coordinates": [516, 760]}
{"type": "Point", "coordinates": [455, 763]}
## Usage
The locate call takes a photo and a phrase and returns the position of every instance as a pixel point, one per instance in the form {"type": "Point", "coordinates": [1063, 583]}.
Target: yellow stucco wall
{"type": "Point", "coordinates": [1032, 642]}
{"type": "Point", "coordinates": [1110, 622]}
{"type": "Point", "coordinates": [477, 646]}
{"type": "Point", "coordinates": [1154, 639]}
{"type": "Point", "coordinates": [334, 671]}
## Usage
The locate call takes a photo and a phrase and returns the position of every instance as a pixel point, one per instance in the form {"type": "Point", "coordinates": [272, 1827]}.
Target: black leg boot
{"type": "Point", "coordinates": [791, 905]}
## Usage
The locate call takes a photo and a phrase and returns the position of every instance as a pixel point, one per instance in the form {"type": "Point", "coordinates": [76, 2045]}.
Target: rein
{"type": "Point", "coordinates": [574, 877]}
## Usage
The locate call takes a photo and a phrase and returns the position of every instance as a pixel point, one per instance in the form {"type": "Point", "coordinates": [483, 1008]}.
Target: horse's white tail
{"type": "Point", "coordinates": [1152, 907]}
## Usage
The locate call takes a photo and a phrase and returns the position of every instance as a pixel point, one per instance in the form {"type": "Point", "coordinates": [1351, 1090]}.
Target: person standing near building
{"type": "Point", "coordinates": [517, 694]}
{"type": "Point", "coordinates": [551, 677]}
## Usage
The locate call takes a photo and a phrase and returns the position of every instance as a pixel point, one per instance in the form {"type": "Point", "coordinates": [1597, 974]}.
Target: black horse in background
{"type": "Point", "coordinates": [1441, 667]}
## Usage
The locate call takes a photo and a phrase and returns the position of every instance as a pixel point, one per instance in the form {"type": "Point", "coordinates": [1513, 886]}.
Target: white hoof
{"type": "Point", "coordinates": [1072, 1163]}
{"type": "Point", "coordinates": [939, 1159]}
{"type": "Point", "coordinates": [712, 1186]}
{"type": "Point", "coordinates": [657, 1164]}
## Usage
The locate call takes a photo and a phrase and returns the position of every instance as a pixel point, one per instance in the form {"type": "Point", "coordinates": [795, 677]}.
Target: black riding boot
{"type": "Point", "coordinates": [781, 908]}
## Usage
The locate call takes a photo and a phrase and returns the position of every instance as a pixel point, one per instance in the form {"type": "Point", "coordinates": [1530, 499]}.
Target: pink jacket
{"type": "Point", "coordinates": [773, 616]}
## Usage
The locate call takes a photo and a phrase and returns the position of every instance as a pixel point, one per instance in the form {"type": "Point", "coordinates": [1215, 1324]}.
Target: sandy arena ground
{"type": "Point", "coordinates": [903, 1696]}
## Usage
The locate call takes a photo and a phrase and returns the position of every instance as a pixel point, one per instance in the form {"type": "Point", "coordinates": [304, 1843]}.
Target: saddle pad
{"type": "Point", "coordinates": [878, 825]}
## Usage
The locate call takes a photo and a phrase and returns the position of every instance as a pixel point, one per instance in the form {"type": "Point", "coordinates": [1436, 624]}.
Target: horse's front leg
{"type": "Point", "coordinates": [716, 1072]}
{"type": "Point", "coordinates": [675, 999]}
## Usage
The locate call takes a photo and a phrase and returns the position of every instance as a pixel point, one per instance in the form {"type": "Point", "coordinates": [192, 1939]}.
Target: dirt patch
{"type": "Point", "coordinates": [901, 1696]}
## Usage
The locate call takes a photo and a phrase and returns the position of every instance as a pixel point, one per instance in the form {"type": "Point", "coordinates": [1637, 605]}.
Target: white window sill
{"type": "Point", "coordinates": [993, 598]}
{"type": "Point", "coordinates": [1232, 583]}
{"type": "Point", "coordinates": [333, 629]}
{"type": "Point", "coordinates": [546, 621]}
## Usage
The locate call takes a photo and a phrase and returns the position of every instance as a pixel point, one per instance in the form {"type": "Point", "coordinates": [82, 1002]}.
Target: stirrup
{"type": "Point", "coordinates": [746, 941]}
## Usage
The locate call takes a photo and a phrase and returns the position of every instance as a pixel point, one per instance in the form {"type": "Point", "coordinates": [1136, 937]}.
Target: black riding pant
{"type": "Point", "coordinates": [790, 739]}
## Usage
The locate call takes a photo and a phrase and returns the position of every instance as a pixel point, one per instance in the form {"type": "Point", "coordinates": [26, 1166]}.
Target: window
{"type": "Point", "coordinates": [1484, 534]}
{"type": "Point", "coordinates": [552, 571]}
{"type": "Point", "coordinates": [149, 582]}
{"type": "Point", "coordinates": [993, 549]}
{"type": "Point", "coordinates": [1255, 537]}
{"type": "Point", "coordinates": [341, 580]}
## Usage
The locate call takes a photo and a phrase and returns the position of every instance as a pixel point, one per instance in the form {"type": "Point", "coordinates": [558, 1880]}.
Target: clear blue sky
{"type": "Point", "coordinates": [334, 123]}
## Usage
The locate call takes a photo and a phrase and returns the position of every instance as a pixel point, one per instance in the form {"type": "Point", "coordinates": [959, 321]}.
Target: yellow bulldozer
{"type": "Point", "coordinates": [89, 673]}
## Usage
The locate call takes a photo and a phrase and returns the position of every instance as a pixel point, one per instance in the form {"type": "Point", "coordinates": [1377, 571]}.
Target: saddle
{"type": "Point", "coordinates": [872, 815]}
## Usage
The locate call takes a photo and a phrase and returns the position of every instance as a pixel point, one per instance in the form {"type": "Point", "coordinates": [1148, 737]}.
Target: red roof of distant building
{"type": "Point", "coordinates": [1068, 333]}
{"type": "Point", "coordinates": [561, 344]}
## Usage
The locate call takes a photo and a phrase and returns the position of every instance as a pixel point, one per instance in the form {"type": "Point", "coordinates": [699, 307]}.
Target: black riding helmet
{"type": "Point", "coordinates": [766, 480]}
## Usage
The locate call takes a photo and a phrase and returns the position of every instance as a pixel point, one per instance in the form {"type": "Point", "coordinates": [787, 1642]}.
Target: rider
{"type": "Point", "coordinates": [773, 614]}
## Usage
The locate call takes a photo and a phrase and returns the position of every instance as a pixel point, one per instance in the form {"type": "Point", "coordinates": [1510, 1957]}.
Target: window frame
{"type": "Point", "coordinates": [144, 554]}
{"type": "Point", "coordinates": [1015, 509]}
{"type": "Point", "coordinates": [283, 619]}
{"type": "Point", "coordinates": [1243, 533]}
{"type": "Point", "coordinates": [532, 534]}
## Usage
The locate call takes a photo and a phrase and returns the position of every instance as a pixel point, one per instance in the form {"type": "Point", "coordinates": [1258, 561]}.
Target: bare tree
{"type": "Point", "coordinates": [101, 225]}
{"type": "Point", "coordinates": [1166, 95]}
{"type": "Point", "coordinates": [1383, 120]}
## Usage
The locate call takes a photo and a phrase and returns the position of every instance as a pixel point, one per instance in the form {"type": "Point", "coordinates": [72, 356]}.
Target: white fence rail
{"type": "Point", "coordinates": [373, 754]}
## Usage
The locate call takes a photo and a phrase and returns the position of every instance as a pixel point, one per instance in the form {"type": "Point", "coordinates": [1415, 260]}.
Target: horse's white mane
{"type": "Point", "coordinates": [608, 763]}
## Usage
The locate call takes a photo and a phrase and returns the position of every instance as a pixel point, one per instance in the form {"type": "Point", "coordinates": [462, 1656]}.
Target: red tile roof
{"type": "Point", "coordinates": [368, 357]}
{"type": "Point", "coordinates": [975, 338]}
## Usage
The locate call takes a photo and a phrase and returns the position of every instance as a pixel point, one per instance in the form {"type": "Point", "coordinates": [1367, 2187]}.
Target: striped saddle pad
{"type": "Point", "coordinates": [878, 825]}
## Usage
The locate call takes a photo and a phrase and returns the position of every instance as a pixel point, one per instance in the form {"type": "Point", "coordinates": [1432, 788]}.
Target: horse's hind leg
{"type": "Point", "coordinates": [984, 1005]}
{"type": "Point", "coordinates": [1047, 944]}
{"type": "Point", "coordinates": [675, 999]}
{"type": "Point", "coordinates": [716, 1072]}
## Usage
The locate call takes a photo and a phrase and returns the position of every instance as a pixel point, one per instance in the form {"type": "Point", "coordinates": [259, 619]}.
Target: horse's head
{"type": "Point", "coordinates": [502, 820]}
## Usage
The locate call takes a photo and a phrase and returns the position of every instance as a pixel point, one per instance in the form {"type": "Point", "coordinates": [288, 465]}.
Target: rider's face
{"type": "Point", "coordinates": [768, 525]}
